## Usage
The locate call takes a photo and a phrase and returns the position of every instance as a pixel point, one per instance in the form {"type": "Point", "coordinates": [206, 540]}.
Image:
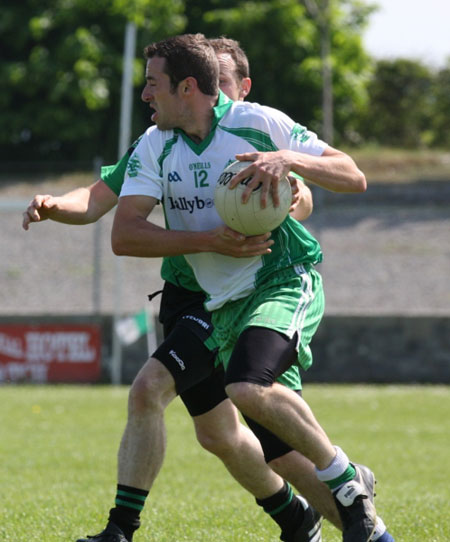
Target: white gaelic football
{"type": "Point", "coordinates": [249, 218]}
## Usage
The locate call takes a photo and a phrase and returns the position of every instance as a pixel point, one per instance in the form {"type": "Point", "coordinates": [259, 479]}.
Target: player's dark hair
{"type": "Point", "coordinates": [233, 48]}
{"type": "Point", "coordinates": [188, 55]}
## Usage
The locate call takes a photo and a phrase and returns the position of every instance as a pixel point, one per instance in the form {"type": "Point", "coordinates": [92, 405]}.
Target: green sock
{"type": "Point", "coordinates": [285, 509]}
{"type": "Point", "coordinates": [348, 475]}
{"type": "Point", "coordinates": [129, 504]}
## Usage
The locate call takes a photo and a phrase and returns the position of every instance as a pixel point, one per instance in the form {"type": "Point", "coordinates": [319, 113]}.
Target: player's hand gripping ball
{"type": "Point", "coordinates": [249, 218]}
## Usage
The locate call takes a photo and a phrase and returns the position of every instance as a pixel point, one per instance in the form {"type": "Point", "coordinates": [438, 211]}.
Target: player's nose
{"type": "Point", "coordinates": [146, 95]}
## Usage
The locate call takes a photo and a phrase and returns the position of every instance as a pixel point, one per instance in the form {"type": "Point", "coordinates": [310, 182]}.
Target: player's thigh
{"type": "Point", "coordinates": [272, 446]}
{"type": "Point", "coordinates": [290, 303]}
{"type": "Point", "coordinates": [205, 395]}
{"type": "Point", "coordinates": [188, 353]}
{"type": "Point", "coordinates": [260, 356]}
{"type": "Point", "coordinates": [218, 428]}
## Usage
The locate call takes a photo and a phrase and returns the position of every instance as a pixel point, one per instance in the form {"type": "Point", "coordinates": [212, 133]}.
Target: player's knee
{"type": "Point", "coordinates": [216, 442]}
{"type": "Point", "coordinates": [278, 463]}
{"type": "Point", "coordinates": [147, 392]}
{"type": "Point", "coordinates": [245, 395]}
{"type": "Point", "coordinates": [143, 397]}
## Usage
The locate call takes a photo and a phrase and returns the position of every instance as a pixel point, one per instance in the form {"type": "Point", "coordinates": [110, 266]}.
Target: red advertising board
{"type": "Point", "coordinates": [50, 353]}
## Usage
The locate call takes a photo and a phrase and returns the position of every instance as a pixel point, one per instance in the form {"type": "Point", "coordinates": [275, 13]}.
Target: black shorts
{"type": "Point", "coordinates": [187, 326]}
{"type": "Point", "coordinates": [201, 387]}
{"type": "Point", "coordinates": [260, 356]}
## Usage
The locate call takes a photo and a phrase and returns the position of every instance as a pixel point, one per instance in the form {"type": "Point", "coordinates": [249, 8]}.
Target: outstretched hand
{"type": "Point", "coordinates": [37, 210]}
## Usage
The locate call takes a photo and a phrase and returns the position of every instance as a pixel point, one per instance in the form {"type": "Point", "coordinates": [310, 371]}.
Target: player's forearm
{"type": "Point", "coordinates": [143, 239]}
{"type": "Point", "coordinates": [71, 208]}
{"type": "Point", "coordinates": [334, 170]}
{"type": "Point", "coordinates": [83, 205]}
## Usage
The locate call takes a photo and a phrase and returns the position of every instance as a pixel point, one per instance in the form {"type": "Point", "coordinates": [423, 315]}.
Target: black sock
{"type": "Point", "coordinates": [285, 509]}
{"type": "Point", "coordinates": [129, 504]}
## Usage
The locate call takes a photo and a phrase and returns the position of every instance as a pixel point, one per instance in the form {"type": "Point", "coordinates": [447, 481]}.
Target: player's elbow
{"type": "Point", "coordinates": [354, 183]}
{"type": "Point", "coordinates": [360, 182]}
{"type": "Point", "coordinates": [303, 210]}
{"type": "Point", "coordinates": [118, 248]}
{"type": "Point", "coordinates": [354, 180]}
{"type": "Point", "coordinates": [93, 215]}
{"type": "Point", "coordinates": [119, 243]}
{"type": "Point", "coordinates": [308, 208]}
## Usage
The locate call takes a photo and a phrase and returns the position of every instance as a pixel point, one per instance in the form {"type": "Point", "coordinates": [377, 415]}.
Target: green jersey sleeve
{"type": "Point", "coordinates": [113, 176]}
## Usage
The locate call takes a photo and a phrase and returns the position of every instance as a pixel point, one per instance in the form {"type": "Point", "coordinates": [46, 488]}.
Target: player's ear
{"type": "Point", "coordinates": [188, 85]}
{"type": "Point", "coordinates": [246, 85]}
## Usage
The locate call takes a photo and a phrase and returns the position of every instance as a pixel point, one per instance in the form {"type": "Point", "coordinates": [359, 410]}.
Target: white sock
{"type": "Point", "coordinates": [336, 468]}
{"type": "Point", "coordinates": [380, 529]}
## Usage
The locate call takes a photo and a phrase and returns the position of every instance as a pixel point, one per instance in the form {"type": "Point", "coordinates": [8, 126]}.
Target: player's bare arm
{"type": "Point", "coordinates": [302, 200]}
{"type": "Point", "coordinates": [83, 205]}
{"type": "Point", "coordinates": [333, 170]}
{"type": "Point", "coordinates": [133, 235]}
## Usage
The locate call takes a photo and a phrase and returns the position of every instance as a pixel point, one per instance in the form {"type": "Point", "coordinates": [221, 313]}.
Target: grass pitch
{"type": "Point", "coordinates": [58, 447]}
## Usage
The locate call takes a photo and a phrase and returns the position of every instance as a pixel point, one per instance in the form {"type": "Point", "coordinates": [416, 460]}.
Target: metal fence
{"type": "Point", "coordinates": [59, 269]}
{"type": "Point", "coordinates": [385, 252]}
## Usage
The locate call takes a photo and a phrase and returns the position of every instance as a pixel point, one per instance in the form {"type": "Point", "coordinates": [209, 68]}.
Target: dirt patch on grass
{"type": "Point", "coordinates": [24, 186]}
{"type": "Point", "coordinates": [403, 165]}
{"type": "Point", "coordinates": [378, 164]}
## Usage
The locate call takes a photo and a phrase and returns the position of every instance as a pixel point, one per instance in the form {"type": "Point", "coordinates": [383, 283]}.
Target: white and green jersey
{"type": "Point", "coordinates": [174, 269]}
{"type": "Point", "coordinates": [170, 167]}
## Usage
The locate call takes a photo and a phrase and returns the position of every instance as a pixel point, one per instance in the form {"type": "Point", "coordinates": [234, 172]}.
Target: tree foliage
{"type": "Point", "coordinates": [61, 69]}
{"type": "Point", "coordinates": [440, 124]}
{"type": "Point", "coordinates": [60, 75]}
{"type": "Point", "coordinates": [400, 102]}
{"type": "Point", "coordinates": [281, 39]}
{"type": "Point", "coordinates": [409, 105]}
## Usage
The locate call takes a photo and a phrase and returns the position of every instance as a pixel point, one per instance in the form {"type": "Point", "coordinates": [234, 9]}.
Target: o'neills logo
{"type": "Point", "coordinates": [190, 205]}
{"type": "Point", "coordinates": [178, 359]}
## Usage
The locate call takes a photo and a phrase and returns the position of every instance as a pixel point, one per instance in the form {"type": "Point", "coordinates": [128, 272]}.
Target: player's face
{"type": "Point", "coordinates": [158, 94]}
{"type": "Point", "coordinates": [229, 81]}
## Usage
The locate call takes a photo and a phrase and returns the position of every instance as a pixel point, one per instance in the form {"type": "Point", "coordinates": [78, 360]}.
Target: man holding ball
{"type": "Point", "coordinates": [30, 214]}
{"type": "Point", "coordinates": [265, 308]}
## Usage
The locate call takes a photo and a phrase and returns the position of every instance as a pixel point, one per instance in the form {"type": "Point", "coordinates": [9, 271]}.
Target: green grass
{"type": "Point", "coordinates": [58, 449]}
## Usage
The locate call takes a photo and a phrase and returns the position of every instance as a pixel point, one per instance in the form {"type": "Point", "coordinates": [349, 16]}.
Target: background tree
{"type": "Point", "coordinates": [400, 104]}
{"type": "Point", "coordinates": [282, 41]}
{"type": "Point", "coordinates": [61, 69]}
{"type": "Point", "coordinates": [440, 123]}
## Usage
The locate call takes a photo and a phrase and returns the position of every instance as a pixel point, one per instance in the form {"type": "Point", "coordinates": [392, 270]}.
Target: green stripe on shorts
{"type": "Point", "coordinates": [290, 301]}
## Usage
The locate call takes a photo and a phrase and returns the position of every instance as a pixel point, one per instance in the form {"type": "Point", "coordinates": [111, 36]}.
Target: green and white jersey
{"type": "Point", "coordinates": [170, 167]}
{"type": "Point", "coordinates": [114, 176]}
{"type": "Point", "coordinates": [174, 269]}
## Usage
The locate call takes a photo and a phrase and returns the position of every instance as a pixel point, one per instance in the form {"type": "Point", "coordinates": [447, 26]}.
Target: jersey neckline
{"type": "Point", "coordinates": [219, 110]}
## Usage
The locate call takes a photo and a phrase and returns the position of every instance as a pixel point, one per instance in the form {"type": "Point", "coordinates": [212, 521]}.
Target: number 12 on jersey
{"type": "Point", "coordinates": [200, 178]}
